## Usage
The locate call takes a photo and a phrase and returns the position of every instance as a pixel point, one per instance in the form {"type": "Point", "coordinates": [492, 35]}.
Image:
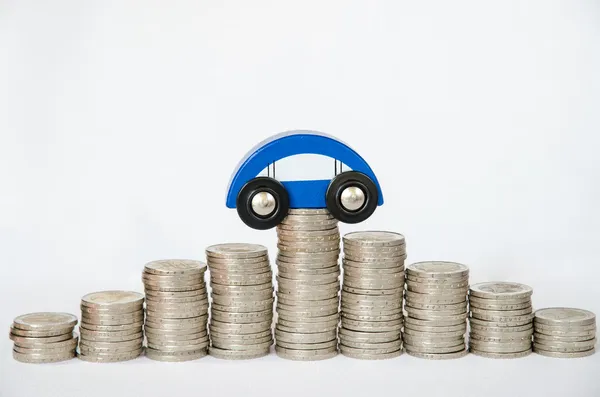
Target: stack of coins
{"type": "Point", "coordinates": [436, 310]}
{"type": "Point", "coordinates": [564, 332]}
{"type": "Point", "coordinates": [111, 326]}
{"type": "Point", "coordinates": [372, 290]}
{"type": "Point", "coordinates": [43, 337]}
{"type": "Point", "coordinates": [501, 319]}
{"type": "Point", "coordinates": [176, 310]}
{"type": "Point", "coordinates": [242, 301]}
{"type": "Point", "coordinates": [308, 285]}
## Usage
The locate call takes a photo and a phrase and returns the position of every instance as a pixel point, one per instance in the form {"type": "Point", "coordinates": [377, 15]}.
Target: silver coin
{"type": "Point", "coordinates": [433, 299]}
{"type": "Point", "coordinates": [177, 321]}
{"type": "Point", "coordinates": [435, 335]}
{"type": "Point", "coordinates": [43, 358]}
{"type": "Point", "coordinates": [499, 307]}
{"type": "Point", "coordinates": [436, 281]}
{"type": "Point", "coordinates": [435, 323]}
{"type": "Point", "coordinates": [96, 321]}
{"type": "Point", "coordinates": [199, 293]}
{"type": "Point", "coordinates": [236, 250]}
{"type": "Point", "coordinates": [374, 238]}
{"type": "Point", "coordinates": [450, 292]}
{"type": "Point", "coordinates": [243, 347]}
{"type": "Point", "coordinates": [309, 248]}
{"type": "Point", "coordinates": [32, 341]}
{"type": "Point", "coordinates": [50, 348]}
{"type": "Point", "coordinates": [175, 267]}
{"type": "Point", "coordinates": [356, 272]}
{"type": "Point", "coordinates": [437, 269]}
{"type": "Point", "coordinates": [577, 338]}
{"type": "Point", "coordinates": [188, 356]}
{"type": "Point", "coordinates": [371, 356]}
{"type": "Point", "coordinates": [243, 309]}
{"type": "Point", "coordinates": [374, 264]}
{"type": "Point", "coordinates": [394, 344]}
{"type": "Point", "coordinates": [508, 322]}
{"type": "Point", "coordinates": [98, 358]}
{"type": "Point", "coordinates": [436, 356]}
{"type": "Point", "coordinates": [436, 329]}
{"type": "Point", "coordinates": [365, 326]}
{"type": "Point", "coordinates": [431, 316]}
{"type": "Point", "coordinates": [313, 328]}
{"type": "Point", "coordinates": [175, 333]}
{"type": "Point", "coordinates": [111, 328]}
{"type": "Point", "coordinates": [40, 334]}
{"type": "Point", "coordinates": [44, 321]}
{"type": "Point", "coordinates": [236, 355]}
{"type": "Point", "coordinates": [223, 327]}
{"type": "Point", "coordinates": [436, 307]}
{"type": "Point", "coordinates": [243, 318]}
{"type": "Point", "coordinates": [241, 263]}
{"type": "Point", "coordinates": [565, 346]}
{"type": "Point", "coordinates": [308, 312]}
{"type": "Point", "coordinates": [371, 312]}
{"type": "Point", "coordinates": [562, 354]}
{"type": "Point", "coordinates": [304, 338]}
{"type": "Point", "coordinates": [111, 338]}
{"type": "Point", "coordinates": [564, 315]}
{"type": "Point", "coordinates": [149, 278]}
{"type": "Point", "coordinates": [374, 260]}
{"type": "Point", "coordinates": [501, 290]}
{"type": "Point", "coordinates": [374, 318]}
{"type": "Point", "coordinates": [306, 295]}
{"type": "Point", "coordinates": [385, 336]}
{"type": "Point", "coordinates": [567, 328]}
{"type": "Point", "coordinates": [368, 291]}
{"type": "Point", "coordinates": [354, 350]}
{"type": "Point", "coordinates": [111, 310]}
{"type": "Point", "coordinates": [166, 339]}
{"type": "Point", "coordinates": [308, 211]}
{"type": "Point", "coordinates": [428, 313]}
{"type": "Point", "coordinates": [484, 327]}
{"type": "Point", "coordinates": [433, 350]}
{"type": "Point", "coordinates": [501, 337]}
{"type": "Point", "coordinates": [306, 355]}
{"type": "Point", "coordinates": [500, 355]}
{"type": "Point", "coordinates": [112, 298]}
{"type": "Point", "coordinates": [495, 347]}
{"type": "Point", "coordinates": [482, 313]}
{"type": "Point", "coordinates": [517, 320]}
{"type": "Point", "coordinates": [433, 342]}
{"type": "Point", "coordinates": [181, 346]}
{"type": "Point", "coordinates": [308, 346]}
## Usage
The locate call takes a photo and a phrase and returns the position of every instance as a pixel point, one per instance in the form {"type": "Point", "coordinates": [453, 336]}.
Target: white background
{"type": "Point", "coordinates": [121, 122]}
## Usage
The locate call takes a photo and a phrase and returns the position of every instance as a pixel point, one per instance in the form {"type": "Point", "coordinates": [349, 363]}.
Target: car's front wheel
{"type": "Point", "coordinates": [262, 203]}
{"type": "Point", "coordinates": [351, 197]}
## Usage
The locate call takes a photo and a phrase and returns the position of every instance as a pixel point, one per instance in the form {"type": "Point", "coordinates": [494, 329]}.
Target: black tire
{"type": "Point", "coordinates": [244, 203]}
{"type": "Point", "coordinates": [334, 193]}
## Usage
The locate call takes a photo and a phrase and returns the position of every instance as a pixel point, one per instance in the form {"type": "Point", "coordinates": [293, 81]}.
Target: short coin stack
{"type": "Point", "coordinates": [564, 332]}
{"type": "Point", "coordinates": [43, 337]}
{"type": "Point", "coordinates": [372, 290]}
{"type": "Point", "coordinates": [436, 310]}
{"type": "Point", "coordinates": [501, 319]}
{"type": "Point", "coordinates": [176, 310]}
{"type": "Point", "coordinates": [111, 326]}
{"type": "Point", "coordinates": [242, 301]}
{"type": "Point", "coordinates": [308, 285]}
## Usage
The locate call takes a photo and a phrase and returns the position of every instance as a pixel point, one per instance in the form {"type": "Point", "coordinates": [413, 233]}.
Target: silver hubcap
{"type": "Point", "coordinates": [353, 198]}
{"type": "Point", "coordinates": [263, 204]}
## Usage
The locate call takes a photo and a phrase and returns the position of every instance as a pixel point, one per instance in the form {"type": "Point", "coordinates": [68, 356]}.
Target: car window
{"type": "Point", "coordinates": [304, 167]}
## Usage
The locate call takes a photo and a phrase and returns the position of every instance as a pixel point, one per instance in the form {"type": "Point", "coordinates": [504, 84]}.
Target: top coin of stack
{"type": "Point", "coordinates": [308, 285]}
{"type": "Point", "coordinates": [501, 319]}
{"type": "Point", "coordinates": [111, 326]}
{"type": "Point", "coordinates": [43, 337]}
{"type": "Point", "coordinates": [176, 310]}
{"type": "Point", "coordinates": [242, 301]}
{"type": "Point", "coordinates": [564, 332]}
{"type": "Point", "coordinates": [372, 290]}
{"type": "Point", "coordinates": [436, 307]}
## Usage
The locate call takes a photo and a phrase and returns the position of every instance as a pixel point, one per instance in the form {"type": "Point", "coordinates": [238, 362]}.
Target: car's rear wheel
{"type": "Point", "coordinates": [351, 197]}
{"type": "Point", "coordinates": [262, 203]}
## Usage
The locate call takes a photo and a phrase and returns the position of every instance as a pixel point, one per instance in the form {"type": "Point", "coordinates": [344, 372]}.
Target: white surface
{"type": "Point", "coordinates": [121, 121]}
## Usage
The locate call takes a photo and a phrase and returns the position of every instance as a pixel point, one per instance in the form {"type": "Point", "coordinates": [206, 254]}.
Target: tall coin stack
{"type": "Point", "coordinates": [501, 319]}
{"type": "Point", "coordinates": [111, 326]}
{"type": "Point", "coordinates": [436, 310]}
{"type": "Point", "coordinates": [242, 301]}
{"type": "Point", "coordinates": [564, 332]}
{"type": "Point", "coordinates": [43, 337]}
{"type": "Point", "coordinates": [176, 310]}
{"type": "Point", "coordinates": [372, 289]}
{"type": "Point", "coordinates": [308, 285]}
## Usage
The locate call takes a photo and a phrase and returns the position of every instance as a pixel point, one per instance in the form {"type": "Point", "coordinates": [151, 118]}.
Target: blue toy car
{"type": "Point", "coordinates": [263, 202]}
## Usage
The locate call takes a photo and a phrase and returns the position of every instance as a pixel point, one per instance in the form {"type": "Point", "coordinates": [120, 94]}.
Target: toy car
{"type": "Point", "coordinates": [262, 202]}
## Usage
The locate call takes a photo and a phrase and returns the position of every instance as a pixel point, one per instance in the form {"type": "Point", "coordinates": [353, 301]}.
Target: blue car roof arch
{"type": "Point", "coordinates": [291, 143]}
